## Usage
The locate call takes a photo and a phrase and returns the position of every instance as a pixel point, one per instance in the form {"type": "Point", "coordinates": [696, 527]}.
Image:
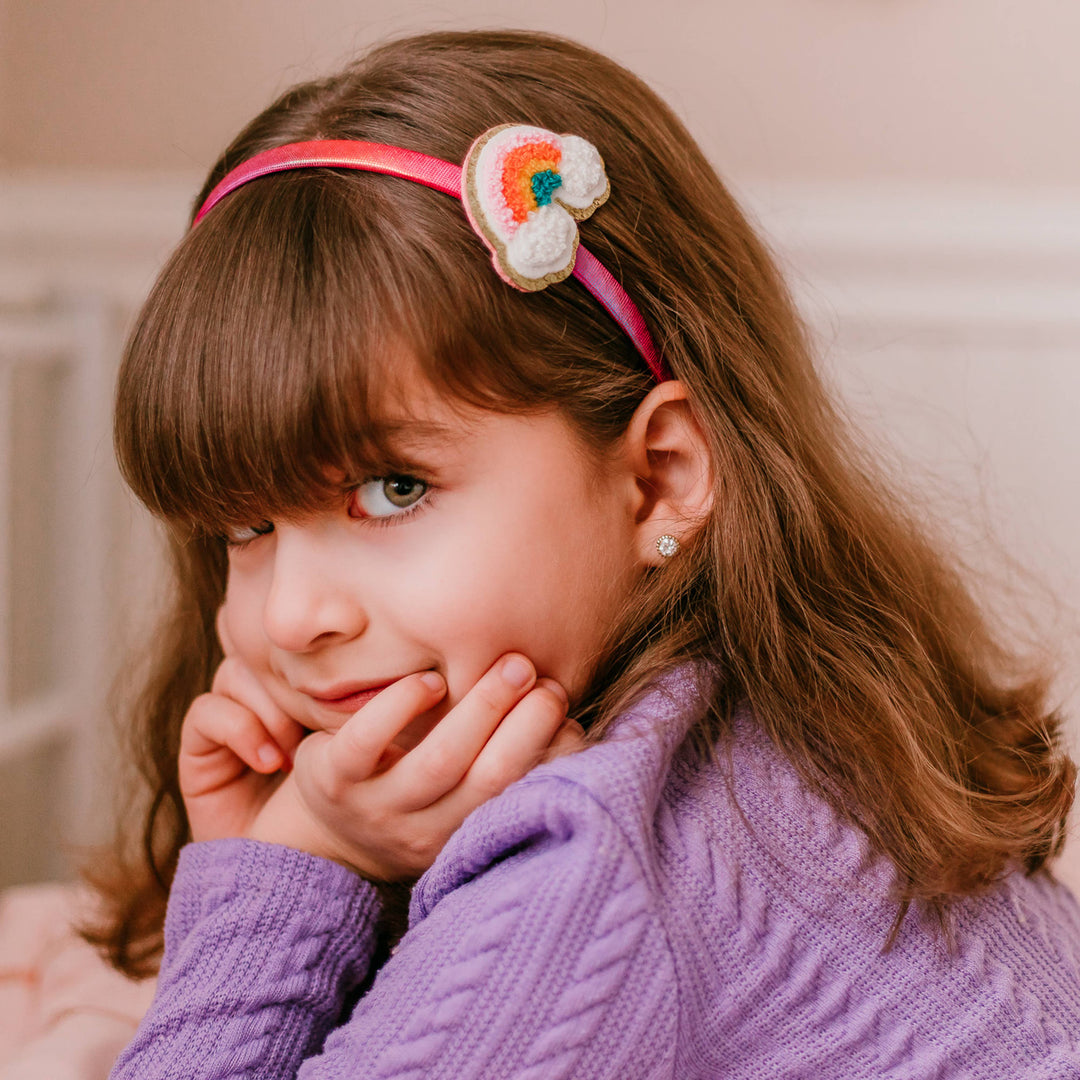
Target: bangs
{"type": "Point", "coordinates": [284, 338]}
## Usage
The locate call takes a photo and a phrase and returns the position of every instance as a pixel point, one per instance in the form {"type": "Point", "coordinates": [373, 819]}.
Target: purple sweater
{"type": "Point", "coordinates": [624, 913]}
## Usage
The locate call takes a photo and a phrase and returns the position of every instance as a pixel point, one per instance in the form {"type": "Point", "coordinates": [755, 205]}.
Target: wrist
{"type": "Point", "coordinates": [292, 827]}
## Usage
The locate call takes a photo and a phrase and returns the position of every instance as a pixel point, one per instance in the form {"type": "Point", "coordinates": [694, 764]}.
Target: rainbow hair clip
{"type": "Point", "coordinates": [524, 189]}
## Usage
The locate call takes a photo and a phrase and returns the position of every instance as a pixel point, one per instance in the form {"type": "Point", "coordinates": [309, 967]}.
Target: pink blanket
{"type": "Point", "coordinates": [64, 1013]}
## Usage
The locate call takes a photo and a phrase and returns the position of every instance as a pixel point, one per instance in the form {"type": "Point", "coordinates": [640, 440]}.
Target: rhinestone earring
{"type": "Point", "coordinates": [667, 545]}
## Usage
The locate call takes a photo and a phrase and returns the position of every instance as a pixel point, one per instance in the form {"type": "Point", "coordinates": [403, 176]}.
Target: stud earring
{"type": "Point", "coordinates": [667, 545]}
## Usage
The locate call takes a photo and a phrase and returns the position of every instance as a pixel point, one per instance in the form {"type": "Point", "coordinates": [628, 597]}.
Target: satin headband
{"type": "Point", "coordinates": [524, 191]}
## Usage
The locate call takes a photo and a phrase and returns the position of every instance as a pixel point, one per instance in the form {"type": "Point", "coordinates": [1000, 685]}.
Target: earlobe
{"type": "Point", "coordinates": [673, 469]}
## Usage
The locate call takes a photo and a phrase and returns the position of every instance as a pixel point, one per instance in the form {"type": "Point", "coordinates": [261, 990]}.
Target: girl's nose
{"type": "Point", "coordinates": [309, 602]}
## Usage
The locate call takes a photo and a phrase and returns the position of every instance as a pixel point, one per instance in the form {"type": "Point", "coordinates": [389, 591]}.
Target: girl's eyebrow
{"type": "Point", "coordinates": [429, 431]}
{"type": "Point", "coordinates": [405, 443]}
{"type": "Point", "coordinates": [417, 434]}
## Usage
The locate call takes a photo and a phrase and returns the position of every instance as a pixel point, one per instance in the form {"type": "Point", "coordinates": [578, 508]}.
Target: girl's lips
{"type": "Point", "coordinates": [349, 701]}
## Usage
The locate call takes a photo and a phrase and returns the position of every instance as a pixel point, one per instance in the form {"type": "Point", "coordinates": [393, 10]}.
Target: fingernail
{"type": "Point", "coordinates": [517, 671]}
{"type": "Point", "coordinates": [432, 680]}
{"type": "Point", "coordinates": [555, 688]}
{"type": "Point", "coordinates": [268, 756]}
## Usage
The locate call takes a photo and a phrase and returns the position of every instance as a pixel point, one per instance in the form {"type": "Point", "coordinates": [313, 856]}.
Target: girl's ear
{"type": "Point", "coordinates": [672, 467]}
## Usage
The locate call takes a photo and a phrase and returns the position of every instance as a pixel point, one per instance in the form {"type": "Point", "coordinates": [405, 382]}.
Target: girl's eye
{"type": "Point", "coordinates": [387, 496]}
{"type": "Point", "coordinates": [238, 536]}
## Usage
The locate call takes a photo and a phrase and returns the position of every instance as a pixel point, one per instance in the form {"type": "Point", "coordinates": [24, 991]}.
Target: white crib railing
{"type": "Point", "coordinates": [75, 259]}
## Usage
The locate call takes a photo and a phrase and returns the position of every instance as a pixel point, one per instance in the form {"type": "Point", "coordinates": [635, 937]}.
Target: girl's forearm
{"type": "Point", "coordinates": [535, 949]}
{"type": "Point", "coordinates": [283, 938]}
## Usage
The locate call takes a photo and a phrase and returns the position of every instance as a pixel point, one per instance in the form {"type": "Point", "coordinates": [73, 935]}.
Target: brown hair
{"type": "Point", "coordinates": [809, 593]}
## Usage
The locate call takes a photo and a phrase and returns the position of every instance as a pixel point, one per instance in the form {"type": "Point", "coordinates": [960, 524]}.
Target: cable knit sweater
{"type": "Point", "coordinates": [624, 912]}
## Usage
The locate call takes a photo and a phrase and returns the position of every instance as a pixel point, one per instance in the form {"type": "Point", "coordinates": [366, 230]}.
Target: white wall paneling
{"type": "Point", "coordinates": [76, 257]}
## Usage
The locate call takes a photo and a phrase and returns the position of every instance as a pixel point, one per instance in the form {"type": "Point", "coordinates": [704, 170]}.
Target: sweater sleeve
{"type": "Point", "coordinates": [262, 945]}
{"type": "Point", "coordinates": [540, 955]}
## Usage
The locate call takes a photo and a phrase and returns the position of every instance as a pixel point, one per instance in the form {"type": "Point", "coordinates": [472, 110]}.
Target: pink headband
{"type": "Point", "coordinates": [524, 190]}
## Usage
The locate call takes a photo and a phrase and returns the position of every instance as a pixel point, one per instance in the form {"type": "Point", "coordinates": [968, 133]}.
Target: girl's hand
{"type": "Point", "coordinates": [355, 798]}
{"type": "Point", "coordinates": [234, 744]}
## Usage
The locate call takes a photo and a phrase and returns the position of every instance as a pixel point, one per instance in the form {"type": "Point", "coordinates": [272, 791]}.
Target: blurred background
{"type": "Point", "coordinates": [914, 163]}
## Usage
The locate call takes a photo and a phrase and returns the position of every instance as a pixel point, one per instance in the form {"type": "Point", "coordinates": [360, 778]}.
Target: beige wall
{"type": "Point", "coordinates": [924, 90]}
{"type": "Point", "coordinates": [5, 73]}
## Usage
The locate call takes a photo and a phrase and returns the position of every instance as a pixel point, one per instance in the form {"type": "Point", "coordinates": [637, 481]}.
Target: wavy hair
{"type": "Point", "coordinates": [810, 593]}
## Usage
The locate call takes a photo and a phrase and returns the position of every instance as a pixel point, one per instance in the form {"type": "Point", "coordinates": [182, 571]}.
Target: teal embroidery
{"type": "Point", "coordinates": [543, 184]}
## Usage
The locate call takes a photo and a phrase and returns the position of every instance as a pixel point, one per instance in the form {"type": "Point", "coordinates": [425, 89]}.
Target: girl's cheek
{"type": "Point", "coordinates": [226, 630]}
{"type": "Point", "coordinates": [223, 631]}
{"type": "Point", "coordinates": [236, 624]}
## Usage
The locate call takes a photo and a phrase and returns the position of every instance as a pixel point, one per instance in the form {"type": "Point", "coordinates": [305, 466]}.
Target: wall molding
{"type": "Point", "coordinates": [868, 257]}
{"type": "Point", "coordinates": [945, 260]}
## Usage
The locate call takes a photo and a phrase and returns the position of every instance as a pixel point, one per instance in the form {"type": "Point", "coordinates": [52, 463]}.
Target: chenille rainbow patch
{"type": "Point", "coordinates": [525, 189]}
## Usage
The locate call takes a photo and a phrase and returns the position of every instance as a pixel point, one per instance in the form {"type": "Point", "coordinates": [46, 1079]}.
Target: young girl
{"type": "Point", "coordinates": [432, 487]}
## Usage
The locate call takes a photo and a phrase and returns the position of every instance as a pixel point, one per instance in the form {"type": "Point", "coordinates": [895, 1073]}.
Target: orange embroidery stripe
{"type": "Point", "coordinates": [519, 165]}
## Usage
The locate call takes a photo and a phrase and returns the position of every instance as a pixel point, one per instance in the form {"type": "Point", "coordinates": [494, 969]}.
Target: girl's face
{"type": "Point", "coordinates": [505, 534]}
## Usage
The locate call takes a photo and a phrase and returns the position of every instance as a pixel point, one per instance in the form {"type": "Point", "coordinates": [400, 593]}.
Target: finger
{"type": "Point", "coordinates": [234, 679]}
{"type": "Point", "coordinates": [361, 747]}
{"type": "Point", "coordinates": [218, 740]}
{"type": "Point", "coordinates": [520, 741]}
{"type": "Point", "coordinates": [390, 756]}
{"type": "Point", "coordinates": [569, 739]}
{"type": "Point", "coordinates": [513, 749]}
{"type": "Point", "coordinates": [446, 753]}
